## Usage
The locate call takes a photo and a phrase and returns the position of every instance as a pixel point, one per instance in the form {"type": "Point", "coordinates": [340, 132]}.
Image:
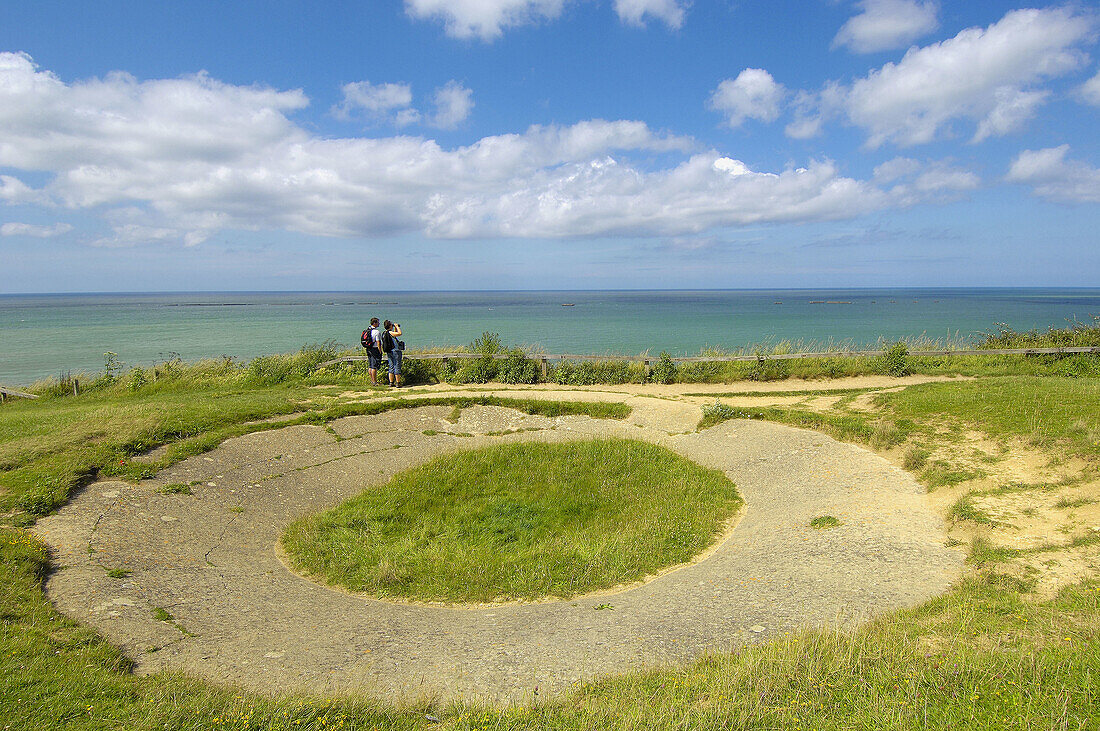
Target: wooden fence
{"type": "Point", "coordinates": [5, 392]}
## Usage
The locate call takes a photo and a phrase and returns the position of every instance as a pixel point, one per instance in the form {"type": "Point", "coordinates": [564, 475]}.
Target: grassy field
{"type": "Point", "coordinates": [518, 521]}
{"type": "Point", "coordinates": [992, 653]}
{"type": "Point", "coordinates": [58, 443]}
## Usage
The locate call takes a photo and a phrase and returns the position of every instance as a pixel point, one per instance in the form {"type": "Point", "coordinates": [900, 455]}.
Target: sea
{"type": "Point", "coordinates": [50, 335]}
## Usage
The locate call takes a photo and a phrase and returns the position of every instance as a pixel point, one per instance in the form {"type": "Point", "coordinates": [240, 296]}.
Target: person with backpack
{"type": "Point", "coordinates": [372, 342]}
{"type": "Point", "coordinates": [393, 348]}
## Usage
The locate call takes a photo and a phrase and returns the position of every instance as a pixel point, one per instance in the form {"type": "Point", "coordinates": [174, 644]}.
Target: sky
{"type": "Point", "coordinates": [547, 144]}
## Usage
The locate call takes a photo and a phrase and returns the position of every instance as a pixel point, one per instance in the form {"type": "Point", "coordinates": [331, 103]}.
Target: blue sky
{"type": "Point", "coordinates": [547, 144]}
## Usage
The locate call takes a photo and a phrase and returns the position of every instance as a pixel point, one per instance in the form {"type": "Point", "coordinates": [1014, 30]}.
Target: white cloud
{"type": "Point", "coordinates": [1011, 110]}
{"type": "Point", "coordinates": [1054, 177]}
{"type": "Point", "coordinates": [375, 100]}
{"type": "Point", "coordinates": [178, 160]}
{"type": "Point", "coordinates": [484, 19]}
{"type": "Point", "coordinates": [14, 191]}
{"type": "Point", "coordinates": [453, 103]}
{"type": "Point", "coordinates": [392, 104]}
{"type": "Point", "coordinates": [912, 181]}
{"type": "Point", "coordinates": [811, 111]}
{"type": "Point", "coordinates": [899, 167]}
{"type": "Point", "coordinates": [886, 24]}
{"type": "Point", "coordinates": [30, 229]}
{"type": "Point", "coordinates": [1090, 91]}
{"type": "Point", "coordinates": [978, 75]}
{"type": "Point", "coordinates": [633, 12]}
{"type": "Point", "coordinates": [982, 75]}
{"type": "Point", "coordinates": [754, 94]}
{"type": "Point", "coordinates": [942, 178]}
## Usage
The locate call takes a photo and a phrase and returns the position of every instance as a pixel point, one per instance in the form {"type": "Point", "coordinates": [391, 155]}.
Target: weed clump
{"type": "Point", "coordinates": [914, 459]}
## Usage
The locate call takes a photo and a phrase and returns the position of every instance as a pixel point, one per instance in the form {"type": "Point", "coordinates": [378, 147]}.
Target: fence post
{"type": "Point", "coordinates": [545, 369]}
{"type": "Point", "coordinates": [76, 387]}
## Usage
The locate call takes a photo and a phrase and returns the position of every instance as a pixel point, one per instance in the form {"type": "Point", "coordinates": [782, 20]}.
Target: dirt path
{"type": "Point", "coordinates": [238, 615]}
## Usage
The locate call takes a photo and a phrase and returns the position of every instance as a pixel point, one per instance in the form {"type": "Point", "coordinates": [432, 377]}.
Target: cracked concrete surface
{"type": "Point", "coordinates": [210, 560]}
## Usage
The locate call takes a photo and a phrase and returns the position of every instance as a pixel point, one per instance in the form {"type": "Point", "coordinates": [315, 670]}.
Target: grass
{"type": "Point", "coordinates": [1047, 412]}
{"type": "Point", "coordinates": [964, 509]}
{"type": "Point", "coordinates": [846, 426]}
{"type": "Point", "coordinates": [985, 655]}
{"type": "Point", "coordinates": [1066, 503]}
{"type": "Point", "coordinates": [825, 521]}
{"type": "Point", "coordinates": [824, 391]}
{"type": "Point", "coordinates": [942, 474]}
{"type": "Point", "coordinates": [520, 521]}
{"type": "Point", "coordinates": [52, 446]}
{"type": "Point", "coordinates": [978, 657]}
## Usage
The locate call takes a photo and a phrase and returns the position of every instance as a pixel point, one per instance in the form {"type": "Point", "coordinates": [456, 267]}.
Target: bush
{"type": "Point", "coordinates": [487, 344]}
{"type": "Point", "coordinates": [717, 412]}
{"type": "Point", "coordinates": [414, 370]}
{"type": "Point", "coordinates": [769, 369]}
{"type": "Point", "coordinates": [136, 379]}
{"type": "Point", "coordinates": [894, 360]}
{"type": "Point", "coordinates": [518, 368]}
{"type": "Point", "coordinates": [664, 370]}
{"type": "Point", "coordinates": [589, 372]}
{"type": "Point", "coordinates": [1078, 334]}
{"type": "Point", "coordinates": [269, 370]}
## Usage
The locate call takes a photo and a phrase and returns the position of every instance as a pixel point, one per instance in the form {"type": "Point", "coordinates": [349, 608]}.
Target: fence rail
{"type": "Point", "coordinates": [5, 392]}
{"type": "Point", "coordinates": [647, 359]}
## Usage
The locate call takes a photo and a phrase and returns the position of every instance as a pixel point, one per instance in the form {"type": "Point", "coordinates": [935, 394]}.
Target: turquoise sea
{"type": "Point", "coordinates": [47, 335]}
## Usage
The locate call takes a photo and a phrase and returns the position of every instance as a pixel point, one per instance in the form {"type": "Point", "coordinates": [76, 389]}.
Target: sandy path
{"type": "Point", "coordinates": [210, 560]}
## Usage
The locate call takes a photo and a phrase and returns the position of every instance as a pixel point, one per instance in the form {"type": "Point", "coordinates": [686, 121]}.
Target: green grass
{"type": "Point", "coordinates": [823, 391]}
{"type": "Point", "coordinates": [979, 657]}
{"type": "Point", "coordinates": [1045, 411]}
{"type": "Point", "coordinates": [825, 521]}
{"type": "Point", "coordinates": [1066, 503]}
{"type": "Point", "coordinates": [520, 521]}
{"type": "Point", "coordinates": [964, 509]}
{"type": "Point", "coordinates": [983, 656]}
{"type": "Point", "coordinates": [52, 446]}
{"type": "Point", "coordinates": [846, 426]}
{"type": "Point", "coordinates": [942, 474]}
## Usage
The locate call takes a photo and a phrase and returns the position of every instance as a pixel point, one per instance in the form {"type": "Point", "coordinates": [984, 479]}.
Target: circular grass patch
{"type": "Point", "coordinates": [518, 521]}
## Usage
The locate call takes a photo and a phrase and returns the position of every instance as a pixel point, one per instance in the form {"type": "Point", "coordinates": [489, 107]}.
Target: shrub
{"type": "Point", "coordinates": [310, 356]}
{"type": "Point", "coordinates": [268, 370]}
{"type": "Point", "coordinates": [136, 379]}
{"type": "Point", "coordinates": [487, 344]}
{"type": "Point", "coordinates": [518, 368]}
{"type": "Point", "coordinates": [718, 412]}
{"type": "Point", "coordinates": [894, 360]}
{"type": "Point", "coordinates": [112, 366]}
{"type": "Point", "coordinates": [664, 370]}
{"type": "Point", "coordinates": [414, 370]}
{"type": "Point", "coordinates": [769, 369]}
